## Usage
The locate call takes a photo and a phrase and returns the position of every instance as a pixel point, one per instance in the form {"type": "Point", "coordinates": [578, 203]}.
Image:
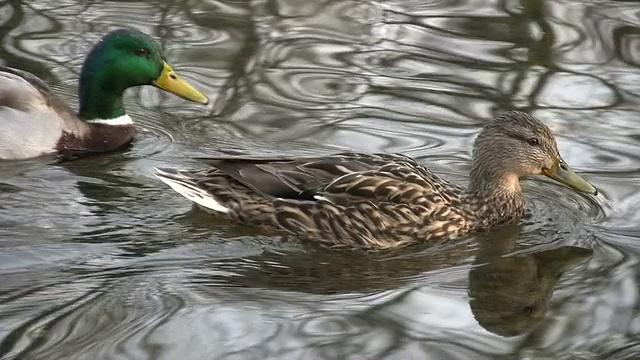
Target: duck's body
{"type": "Point", "coordinates": [34, 122]}
{"type": "Point", "coordinates": [350, 199]}
{"type": "Point", "coordinates": [377, 201]}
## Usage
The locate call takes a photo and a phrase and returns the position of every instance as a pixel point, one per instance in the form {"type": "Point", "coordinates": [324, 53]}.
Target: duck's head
{"type": "Point", "coordinates": [515, 144]}
{"type": "Point", "coordinates": [125, 58]}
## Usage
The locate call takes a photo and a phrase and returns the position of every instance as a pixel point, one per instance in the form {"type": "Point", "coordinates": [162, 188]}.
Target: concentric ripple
{"type": "Point", "coordinates": [101, 260]}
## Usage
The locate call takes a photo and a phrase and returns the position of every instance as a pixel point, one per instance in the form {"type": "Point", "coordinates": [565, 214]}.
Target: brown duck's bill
{"type": "Point", "coordinates": [562, 173]}
{"type": "Point", "coordinates": [169, 81]}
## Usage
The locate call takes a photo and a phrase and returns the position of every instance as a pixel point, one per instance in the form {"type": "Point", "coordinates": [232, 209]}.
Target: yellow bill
{"type": "Point", "coordinates": [170, 82]}
{"type": "Point", "coordinates": [562, 173]}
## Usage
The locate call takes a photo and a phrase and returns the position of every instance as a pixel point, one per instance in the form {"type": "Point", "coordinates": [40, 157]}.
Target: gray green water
{"type": "Point", "coordinates": [99, 260]}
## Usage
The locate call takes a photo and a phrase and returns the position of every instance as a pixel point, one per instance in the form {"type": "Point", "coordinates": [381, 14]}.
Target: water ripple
{"type": "Point", "coordinates": [100, 260]}
{"type": "Point", "coordinates": [123, 319]}
{"type": "Point", "coordinates": [302, 88]}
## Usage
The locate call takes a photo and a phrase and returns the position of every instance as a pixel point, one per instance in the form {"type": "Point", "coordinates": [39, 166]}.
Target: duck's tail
{"type": "Point", "coordinates": [187, 184]}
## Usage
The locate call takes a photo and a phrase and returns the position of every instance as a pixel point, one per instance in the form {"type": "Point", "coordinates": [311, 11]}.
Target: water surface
{"type": "Point", "coordinates": [98, 259]}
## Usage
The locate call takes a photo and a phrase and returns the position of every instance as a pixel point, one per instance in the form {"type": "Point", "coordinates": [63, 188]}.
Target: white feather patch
{"type": "Point", "coordinates": [120, 120]}
{"type": "Point", "coordinates": [193, 193]}
{"type": "Point", "coordinates": [321, 198]}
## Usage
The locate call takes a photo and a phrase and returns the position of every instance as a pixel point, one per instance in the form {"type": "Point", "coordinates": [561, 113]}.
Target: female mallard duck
{"type": "Point", "coordinates": [34, 122]}
{"type": "Point", "coordinates": [381, 201]}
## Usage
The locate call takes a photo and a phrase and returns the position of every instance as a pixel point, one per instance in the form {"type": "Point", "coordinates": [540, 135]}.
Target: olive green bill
{"type": "Point", "coordinates": [169, 81]}
{"type": "Point", "coordinates": [562, 173]}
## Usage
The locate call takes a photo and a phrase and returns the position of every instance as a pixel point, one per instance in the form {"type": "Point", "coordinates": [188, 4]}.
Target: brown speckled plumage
{"type": "Point", "coordinates": [374, 201]}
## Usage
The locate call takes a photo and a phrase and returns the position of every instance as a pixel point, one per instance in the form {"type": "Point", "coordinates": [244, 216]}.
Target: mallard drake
{"type": "Point", "coordinates": [34, 122]}
{"type": "Point", "coordinates": [380, 201]}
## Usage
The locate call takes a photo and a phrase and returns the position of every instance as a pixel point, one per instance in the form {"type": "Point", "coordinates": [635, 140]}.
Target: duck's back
{"type": "Point", "coordinates": [32, 119]}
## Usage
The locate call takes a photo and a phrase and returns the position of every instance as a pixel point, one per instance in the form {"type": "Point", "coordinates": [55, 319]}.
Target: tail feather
{"type": "Point", "coordinates": [184, 185]}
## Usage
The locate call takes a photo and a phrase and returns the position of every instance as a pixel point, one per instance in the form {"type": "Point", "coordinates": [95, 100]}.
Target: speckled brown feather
{"type": "Point", "coordinates": [366, 201]}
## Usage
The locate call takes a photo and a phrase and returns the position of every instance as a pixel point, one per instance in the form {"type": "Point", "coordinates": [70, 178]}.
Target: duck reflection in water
{"type": "Point", "coordinates": [510, 295]}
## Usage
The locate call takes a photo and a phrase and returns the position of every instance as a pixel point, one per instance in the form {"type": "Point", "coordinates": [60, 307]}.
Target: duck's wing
{"type": "Point", "coordinates": [401, 180]}
{"type": "Point", "coordinates": [393, 206]}
{"type": "Point", "coordinates": [24, 91]}
{"type": "Point", "coordinates": [32, 118]}
{"type": "Point", "coordinates": [298, 178]}
{"type": "Point", "coordinates": [244, 187]}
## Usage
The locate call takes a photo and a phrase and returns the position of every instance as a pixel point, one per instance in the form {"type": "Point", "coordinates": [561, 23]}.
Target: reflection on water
{"type": "Point", "coordinates": [510, 295]}
{"type": "Point", "coordinates": [99, 260]}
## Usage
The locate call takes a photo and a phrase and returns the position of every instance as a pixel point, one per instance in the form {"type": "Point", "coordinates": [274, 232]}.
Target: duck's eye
{"type": "Point", "coordinates": [528, 310]}
{"type": "Point", "coordinates": [533, 141]}
{"type": "Point", "coordinates": [141, 52]}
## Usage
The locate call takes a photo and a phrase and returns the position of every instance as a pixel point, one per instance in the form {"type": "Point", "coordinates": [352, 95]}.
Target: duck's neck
{"type": "Point", "coordinates": [109, 128]}
{"type": "Point", "coordinates": [101, 96]}
{"type": "Point", "coordinates": [497, 197]}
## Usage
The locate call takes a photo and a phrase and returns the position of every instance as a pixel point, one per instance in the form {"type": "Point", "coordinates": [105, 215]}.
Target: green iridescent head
{"type": "Point", "coordinates": [122, 59]}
